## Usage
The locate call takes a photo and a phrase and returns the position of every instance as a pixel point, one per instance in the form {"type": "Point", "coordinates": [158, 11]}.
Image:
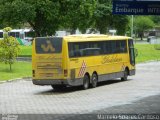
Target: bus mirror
{"type": "Point", "coordinates": [136, 52]}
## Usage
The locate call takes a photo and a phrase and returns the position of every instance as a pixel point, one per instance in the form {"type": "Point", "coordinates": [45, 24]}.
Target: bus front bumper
{"type": "Point", "coordinates": [69, 82]}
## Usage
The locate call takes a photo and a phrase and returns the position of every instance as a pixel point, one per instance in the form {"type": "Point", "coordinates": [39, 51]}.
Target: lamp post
{"type": "Point", "coordinates": [132, 23]}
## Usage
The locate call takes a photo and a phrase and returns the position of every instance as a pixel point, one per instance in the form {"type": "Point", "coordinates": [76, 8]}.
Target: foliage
{"type": "Point", "coordinates": [9, 48]}
{"type": "Point", "coordinates": [77, 14]}
{"type": "Point", "coordinates": [156, 19]}
{"type": "Point", "coordinates": [42, 15]}
{"type": "Point", "coordinates": [104, 19]}
{"type": "Point", "coordinates": [120, 22]}
{"type": "Point", "coordinates": [7, 29]}
{"type": "Point", "coordinates": [15, 12]}
{"type": "Point", "coordinates": [46, 16]}
{"type": "Point", "coordinates": [102, 15]}
{"type": "Point", "coordinates": [143, 23]}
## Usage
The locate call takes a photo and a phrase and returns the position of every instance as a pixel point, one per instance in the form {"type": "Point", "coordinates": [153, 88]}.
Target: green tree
{"type": "Point", "coordinates": [102, 15]}
{"type": "Point", "coordinates": [105, 20]}
{"type": "Point", "coordinates": [42, 15]}
{"type": "Point", "coordinates": [9, 48]}
{"type": "Point", "coordinates": [77, 14]}
{"type": "Point", "coordinates": [156, 19]}
{"type": "Point", "coordinates": [120, 23]}
{"type": "Point", "coordinates": [143, 23]}
{"type": "Point", "coordinates": [47, 16]}
{"type": "Point", "coordinates": [15, 12]}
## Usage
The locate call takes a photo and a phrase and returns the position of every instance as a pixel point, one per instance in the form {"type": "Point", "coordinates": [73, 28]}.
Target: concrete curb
{"type": "Point", "coordinates": [30, 78]}
{"type": "Point", "coordinates": [17, 79]}
{"type": "Point", "coordinates": [150, 61]}
{"type": "Point", "coordinates": [27, 59]}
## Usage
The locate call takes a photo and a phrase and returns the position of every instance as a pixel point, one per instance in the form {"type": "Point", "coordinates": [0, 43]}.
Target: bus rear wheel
{"type": "Point", "coordinates": [125, 75]}
{"type": "Point", "coordinates": [85, 82]}
{"type": "Point", "coordinates": [94, 80]}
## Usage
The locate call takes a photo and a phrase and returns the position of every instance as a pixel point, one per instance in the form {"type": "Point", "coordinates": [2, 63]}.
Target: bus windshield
{"type": "Point", "coordinates": [49, 45]}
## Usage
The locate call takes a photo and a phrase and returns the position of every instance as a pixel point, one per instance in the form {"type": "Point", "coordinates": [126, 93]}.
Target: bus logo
{"type": "Point", "coordinates": [48, 47]}
{"type": "Point", "coordinates": [82, 69]}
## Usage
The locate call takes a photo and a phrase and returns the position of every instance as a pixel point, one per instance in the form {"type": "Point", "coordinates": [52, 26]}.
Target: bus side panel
{"type": "Point", "coordinates": [102, 65]}
{"type": "Point", "coordinates": [108, 66]}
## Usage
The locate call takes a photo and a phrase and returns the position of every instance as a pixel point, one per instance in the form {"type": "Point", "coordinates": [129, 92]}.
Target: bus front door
{"type": "Point", "coordinates": [131, 52]}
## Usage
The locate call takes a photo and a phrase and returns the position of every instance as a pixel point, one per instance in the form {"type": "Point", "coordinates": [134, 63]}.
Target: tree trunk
{"type": "Point", "coordinates": [10, 66]}
{"type": "Point", "coordinates": [37, 33]}
{"type": "Point", "coordinates": [141, 35]}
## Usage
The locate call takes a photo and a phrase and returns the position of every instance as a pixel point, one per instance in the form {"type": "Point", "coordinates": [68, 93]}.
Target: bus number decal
{"type": "Point", "coordinates": [48, 47]}
{"type": "Point", "coordinates": [82, 69]}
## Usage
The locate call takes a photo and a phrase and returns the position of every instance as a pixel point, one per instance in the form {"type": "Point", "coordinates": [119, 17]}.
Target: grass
{"type": "Point", "coordinates": [146, 52]}
{"type": "Point", "coordinates": [26, 51]}
{"type": "Point", "coordinates": [19, 70]}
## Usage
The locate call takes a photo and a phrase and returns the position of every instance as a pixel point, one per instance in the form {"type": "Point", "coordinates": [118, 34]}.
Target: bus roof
{"type": "Point", "coordinates": [93, 37]}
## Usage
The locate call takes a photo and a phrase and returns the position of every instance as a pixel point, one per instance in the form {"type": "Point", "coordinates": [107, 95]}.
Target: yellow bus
{"type": "Point", "coordinates": [84, 60]}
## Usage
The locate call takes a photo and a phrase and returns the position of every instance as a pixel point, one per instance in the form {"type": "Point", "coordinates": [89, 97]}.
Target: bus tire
{"type": "Point", "coordinates": [125, 75]}
{"type": "Point", "coordinates": [85, 82]}
{"type": "Point", "coordinates": [58, 87]}
{"type": "Point", "coordinates": [94, 80]}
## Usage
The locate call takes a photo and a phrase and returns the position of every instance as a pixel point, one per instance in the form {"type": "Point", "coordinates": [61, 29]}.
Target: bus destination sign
{"type": "Point", "coordinates": [136, 7]}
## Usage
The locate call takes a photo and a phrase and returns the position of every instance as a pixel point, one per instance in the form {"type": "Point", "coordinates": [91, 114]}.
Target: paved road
{"type": "Point", "coordinates": [22, 97]}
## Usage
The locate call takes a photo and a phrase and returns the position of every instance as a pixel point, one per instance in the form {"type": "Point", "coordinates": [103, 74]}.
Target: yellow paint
{"type": "Point", "coordinates": [53, 65]}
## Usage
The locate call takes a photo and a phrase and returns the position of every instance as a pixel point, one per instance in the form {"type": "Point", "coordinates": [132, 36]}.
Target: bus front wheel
{"type": "Point", "coordinates": [94, 80]}
{"type": "Point", "coordinates": [125, 75]}
{"type": "Point", "coordinates": [86, 82]}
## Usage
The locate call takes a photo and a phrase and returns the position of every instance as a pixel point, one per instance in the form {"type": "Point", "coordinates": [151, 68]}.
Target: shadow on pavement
{"type": "Point", "coordinates": [77, 88]}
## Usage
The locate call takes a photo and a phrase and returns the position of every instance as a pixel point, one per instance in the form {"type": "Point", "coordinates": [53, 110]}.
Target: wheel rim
{"type": "Point", "coordinates": [94, 81]}
{"type": "Point", "coordinates": [86, 83]}
{"type": "Point", "coordinates": [125, 75]}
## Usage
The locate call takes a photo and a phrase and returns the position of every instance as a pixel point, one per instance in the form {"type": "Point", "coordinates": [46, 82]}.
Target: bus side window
{"type": "Point", "coordinates": [71, 49]}
{"type": "Point", "coordinates": [124, 46]}
{"type": "Point", "coordinates": [113, 46]}
{"type": "Point", "coordinates": [118, 47]}
{"type": "Point", "coordinates": [71, 53]}
{"type": "Point", "coordinates": [77, 53]}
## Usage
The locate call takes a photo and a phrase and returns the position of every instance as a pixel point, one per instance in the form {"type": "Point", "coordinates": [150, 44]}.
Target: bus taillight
{"type": "Point", "coordinates": [65, 73]}
{"type": "Point", "coordinates": [33, 73]}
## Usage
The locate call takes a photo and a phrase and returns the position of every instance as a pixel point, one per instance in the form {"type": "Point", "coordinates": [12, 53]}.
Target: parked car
{"type": "Point", "coordinates": [151, 38]}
